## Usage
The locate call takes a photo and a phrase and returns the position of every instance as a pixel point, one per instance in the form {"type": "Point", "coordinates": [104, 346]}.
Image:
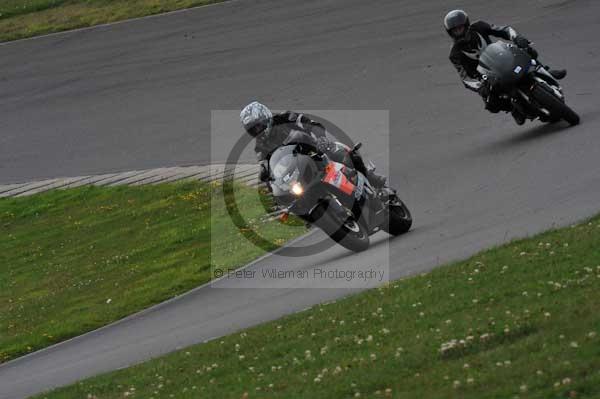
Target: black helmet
{"type": "Point", "coordinates": [453, 21]}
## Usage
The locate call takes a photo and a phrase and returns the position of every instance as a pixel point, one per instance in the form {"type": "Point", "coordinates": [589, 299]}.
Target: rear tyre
{"type": "Point", "coordinates": [556, 107]}
{"type": "Point", "coordinates": [399, 219]}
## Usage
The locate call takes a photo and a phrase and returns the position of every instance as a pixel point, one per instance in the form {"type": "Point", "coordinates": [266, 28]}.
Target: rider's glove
{"type": "Point", "coordinates": [485, 89]}
{"type": "Point", "coordinates": [323, 145]}
{"type": "Point", "coordinates": [521, 41]}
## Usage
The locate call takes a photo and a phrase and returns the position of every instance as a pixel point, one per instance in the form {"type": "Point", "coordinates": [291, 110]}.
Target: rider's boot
{"type": "Point", "coordinates": [518, 116]}
{"type": "Point", "coordinates": [557, 73]}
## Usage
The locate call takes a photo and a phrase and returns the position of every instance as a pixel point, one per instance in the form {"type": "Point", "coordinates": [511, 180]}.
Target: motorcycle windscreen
{"type": "Point", "coordinates": [502, 61]}
{"type": "Point", "coordinates": [289, 167]}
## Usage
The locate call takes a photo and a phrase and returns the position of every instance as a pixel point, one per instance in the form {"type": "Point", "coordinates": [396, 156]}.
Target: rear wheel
{"type": "Point", "coordinates": [399, 218]}
{"type": "Point", "coordinates": [557, 108]}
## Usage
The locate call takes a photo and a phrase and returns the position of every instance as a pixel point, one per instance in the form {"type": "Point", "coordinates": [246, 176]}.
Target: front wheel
{"type": "Point", "coordinates": [351, 234]}
{"type": "Point", "coordinates": [557, 108]}
{"type": "Point", "coordinates": [399, 219]}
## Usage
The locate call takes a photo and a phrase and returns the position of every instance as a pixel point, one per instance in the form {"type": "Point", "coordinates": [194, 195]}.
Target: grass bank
{"type": "Point", "coordinates": [74, 260]}
{"type": "Point", "coordinates": [21, 19]}
{"type": "Point", "coordinates": [519, 321]}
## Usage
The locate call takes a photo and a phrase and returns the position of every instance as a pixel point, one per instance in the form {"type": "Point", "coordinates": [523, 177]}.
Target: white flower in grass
{"type": "Point", "coordinates": [539, 372]}
{"type": "Point", "coordinates": [109, 300]}
{"type": "Point", "coordinates": [241, 357]}
{"type": "Point", "coordinates": [470, 380]}
{"type": "Point", "coordinates": [574, 344]}
{"type": "Point", "coordinates": [566, 381]}
{"type": "Point", "coordinates": [456, 384]}
{"type": "Point", "coordinates": [591, 334]}
{"type": "Point", "coordinates": [373, 356]}
{"type": "Point", "coordinates": [523, 388]}
{"type": "Point", "coordinates": [369, 338]}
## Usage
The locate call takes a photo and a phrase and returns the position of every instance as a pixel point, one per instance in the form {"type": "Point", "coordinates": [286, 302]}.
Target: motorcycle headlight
{"type": "Point", "coordinates": [297, 189]}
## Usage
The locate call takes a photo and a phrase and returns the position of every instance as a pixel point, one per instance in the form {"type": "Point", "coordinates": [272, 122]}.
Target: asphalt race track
{"type": "Point", "coordinates": [138, 95]}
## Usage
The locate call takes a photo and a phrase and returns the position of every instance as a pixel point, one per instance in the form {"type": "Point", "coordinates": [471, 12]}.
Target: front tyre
{"type": "Point", "coordinates": [351, 234]}
{"type": "Point", "coordinates": [557, 108]}
{"type": "Point", "coordinates": [399, 219]}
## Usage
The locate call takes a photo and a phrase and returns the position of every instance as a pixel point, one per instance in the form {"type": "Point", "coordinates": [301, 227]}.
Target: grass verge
{"type": "Point", "coordinates": [521, 321]}
{"type": "Point", "coordinates": [19, 19]}
{"type": "Point", "coordinates": [74, 260]}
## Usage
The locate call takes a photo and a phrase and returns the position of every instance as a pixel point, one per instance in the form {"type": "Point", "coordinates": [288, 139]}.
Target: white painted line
{"type": "Point", "coordinates": [10, 187]}
{"type": "Point", "coordinates": [58, 184]}
{"type": "Point", "coordinates": [90, 180]}
{"type": "Point", "coordinates": [245, 173]}
{"type": "Point", "coordinates": [28, 187]}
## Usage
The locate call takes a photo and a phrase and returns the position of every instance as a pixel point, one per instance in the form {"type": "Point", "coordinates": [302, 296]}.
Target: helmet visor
{"type": "Point", "coordinates": [257, 128]}
{"type": "Point", "coordinates": [458, 31]}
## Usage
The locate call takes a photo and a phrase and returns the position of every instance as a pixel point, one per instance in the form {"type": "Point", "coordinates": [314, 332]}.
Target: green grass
{"type": "Point", "coordinates": [20, 19]}
{"type": "Point", "coordinates": [522, 320]}
{"type": "Point", "coordinates": [74, 260]}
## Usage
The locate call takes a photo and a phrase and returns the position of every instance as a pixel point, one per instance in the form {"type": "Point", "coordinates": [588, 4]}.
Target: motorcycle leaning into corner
{"type": "Point", "coordinates": [513, 73]}
{"type": "Point", "coordinates": [333, 196]}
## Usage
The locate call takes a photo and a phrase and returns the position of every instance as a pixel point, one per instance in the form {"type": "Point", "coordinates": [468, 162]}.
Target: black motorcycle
{"type": "Point", "coordinates": [333, 196]}
{"type": "Point", "coordinates": [520, 78]}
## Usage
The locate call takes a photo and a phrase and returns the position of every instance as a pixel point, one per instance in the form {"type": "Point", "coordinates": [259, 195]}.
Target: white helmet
{"type": "Point", "coordinates": [256, 119]}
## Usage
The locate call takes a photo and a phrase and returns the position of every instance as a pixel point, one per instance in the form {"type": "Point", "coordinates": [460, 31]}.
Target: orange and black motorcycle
{"type": "Point", "coordinates": [333, 196]}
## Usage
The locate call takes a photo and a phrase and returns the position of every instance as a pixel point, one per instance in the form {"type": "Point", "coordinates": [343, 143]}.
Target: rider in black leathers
{"type": "Point", "coordinates": [270, 132]}
{"type": "Point", "coordinates": [469, 42]}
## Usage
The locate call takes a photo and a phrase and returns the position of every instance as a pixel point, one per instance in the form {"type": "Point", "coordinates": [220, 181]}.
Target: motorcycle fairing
{"type": "Point", "coordinates": [334, 176]}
